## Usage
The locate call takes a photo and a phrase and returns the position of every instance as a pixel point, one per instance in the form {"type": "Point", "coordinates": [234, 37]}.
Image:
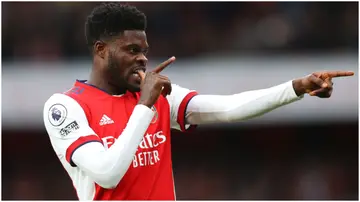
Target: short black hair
{"type": "Point", "coordinates": [110, 19]}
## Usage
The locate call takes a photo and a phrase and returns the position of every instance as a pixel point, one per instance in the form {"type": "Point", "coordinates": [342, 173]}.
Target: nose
{"type": "Point", "coordinates": [142, 59]}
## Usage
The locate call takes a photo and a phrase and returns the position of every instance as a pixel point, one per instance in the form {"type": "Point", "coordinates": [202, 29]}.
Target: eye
{"type": "Point", "coordinates": [134, 50]}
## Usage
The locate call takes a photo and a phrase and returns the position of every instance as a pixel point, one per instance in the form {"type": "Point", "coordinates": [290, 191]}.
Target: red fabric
{"type": "Point", "coordinates": [150, 175]}
{"type": "Point", "coordinates": [182, 111]}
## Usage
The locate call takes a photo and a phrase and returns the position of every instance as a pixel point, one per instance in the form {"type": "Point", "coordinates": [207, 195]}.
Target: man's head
{"type": "Point", "coordinates": [116, 36]}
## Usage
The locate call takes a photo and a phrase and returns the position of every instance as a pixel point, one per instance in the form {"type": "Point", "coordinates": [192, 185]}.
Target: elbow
{"type": "Point", "coordinates": [107, 185]}
{"type": "Point", "coordinates": [108, 181]}
{"type": "Point", "coordinates": [106, 177]}
{"type": "Point", "coordinates": [238, 114]}
{"type": "Point", "coordinates": [231, 117]}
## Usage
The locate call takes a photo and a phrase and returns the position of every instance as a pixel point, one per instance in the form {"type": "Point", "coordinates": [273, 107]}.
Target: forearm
{"type": "Point", "coordinates": [107, 167]}
{"type": "Point", "coordinates": [214, 108]}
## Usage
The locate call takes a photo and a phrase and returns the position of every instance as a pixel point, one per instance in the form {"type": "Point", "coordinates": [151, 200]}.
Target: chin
{"type": "Point", "coordinates": [134, 88]}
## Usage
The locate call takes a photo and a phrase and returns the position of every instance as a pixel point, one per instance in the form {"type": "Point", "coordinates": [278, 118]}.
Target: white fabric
{"type": "Point", "coordinates": [84, 185]}
{"type": "Point", "coordinates": [175, 98]}
{"type": "Point", "coordinates": [232, 108]}
{"type": "Point", "coordinates": [95, 163]}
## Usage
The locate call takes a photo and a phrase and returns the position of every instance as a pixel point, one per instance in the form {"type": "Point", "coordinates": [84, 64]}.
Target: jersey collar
{"type": "Point", "coordinates": [92, 88]}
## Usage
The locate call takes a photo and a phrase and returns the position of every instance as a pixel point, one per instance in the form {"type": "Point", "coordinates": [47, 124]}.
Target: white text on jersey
{"type": "Point", "coordinates": [147, 153]}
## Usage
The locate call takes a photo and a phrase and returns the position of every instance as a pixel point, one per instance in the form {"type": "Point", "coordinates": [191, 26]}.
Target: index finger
{"type": "Point", "coordinates": [162, 66]}
{"type": "Point", "coordinates": [142, 75]}
{"type": "Point", "coordinates": [339, 73]}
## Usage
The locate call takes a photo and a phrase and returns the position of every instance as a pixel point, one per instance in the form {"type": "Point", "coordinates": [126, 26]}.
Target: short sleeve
{"type": "Point", "coordinates": [178, 100]}
{"type": "Point", "coordinates": [67, 126]}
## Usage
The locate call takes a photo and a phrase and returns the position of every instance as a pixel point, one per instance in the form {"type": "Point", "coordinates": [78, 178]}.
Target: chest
{"type": "Point", "coordinates": [109, 117]}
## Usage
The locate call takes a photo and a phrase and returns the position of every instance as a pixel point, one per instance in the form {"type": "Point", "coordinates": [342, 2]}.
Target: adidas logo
{"type": "Point", "coordinates": [105, 120]}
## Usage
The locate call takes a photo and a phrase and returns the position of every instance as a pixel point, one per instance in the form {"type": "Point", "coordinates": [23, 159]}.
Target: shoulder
{"type": "Point", "coordinates": [59, 107]}
{"type": "Point", "coordinates": [60, 99]}
{"type": "Point", "coordinates": [178, 94]}
{"type": "Point", "coordinates": [78, 93]}
{"type": "Point", "coordinates": [82, 97]}
{"type": "Point", "coordinates": [177, 89]}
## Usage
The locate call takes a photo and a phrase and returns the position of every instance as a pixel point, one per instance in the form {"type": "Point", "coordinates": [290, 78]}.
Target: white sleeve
{"type": "Point", "coordinates": [216, 108]}
{"type": "Point", "coordinates": [72, 138]}
{"type": "Point", "coordinates": [178, 101]}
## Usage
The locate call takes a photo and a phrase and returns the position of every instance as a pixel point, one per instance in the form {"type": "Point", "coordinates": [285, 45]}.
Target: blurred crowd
{"type": "Point", "coordinates": [54, 31]}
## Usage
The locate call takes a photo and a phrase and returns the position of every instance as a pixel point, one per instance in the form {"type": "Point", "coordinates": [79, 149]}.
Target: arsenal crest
{"type": "Point", "coordinates": [155, 115]}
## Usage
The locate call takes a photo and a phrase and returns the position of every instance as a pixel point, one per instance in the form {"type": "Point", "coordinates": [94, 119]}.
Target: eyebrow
{"type": "Point", "coordinates": [137, 45]}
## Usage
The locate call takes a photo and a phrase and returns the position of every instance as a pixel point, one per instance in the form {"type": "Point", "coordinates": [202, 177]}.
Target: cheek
{"type": "Point", "coordinates": [121, 64]}
{"type": "Point", "coordinates": [116, 64]}
{"type": "Point", "coordinates": [126, 64]}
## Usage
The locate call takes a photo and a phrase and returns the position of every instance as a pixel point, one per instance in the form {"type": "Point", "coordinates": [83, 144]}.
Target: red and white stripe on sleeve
{"type": "Point", "coordinates": [179, 100]}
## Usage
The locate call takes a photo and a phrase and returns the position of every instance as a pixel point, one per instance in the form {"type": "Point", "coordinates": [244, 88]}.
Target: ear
{"type": "Point", "coordinates": [100, 49]}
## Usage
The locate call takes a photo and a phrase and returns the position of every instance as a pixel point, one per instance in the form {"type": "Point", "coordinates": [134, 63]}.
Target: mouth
{"type": "Point", "coordinates": [135, 74]}
{"type": "Point", "coordinates": [139, 68]}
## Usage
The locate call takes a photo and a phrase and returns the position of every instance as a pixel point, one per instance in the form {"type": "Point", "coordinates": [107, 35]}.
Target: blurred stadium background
{"type": "Point", "coordinates": [307, 150]}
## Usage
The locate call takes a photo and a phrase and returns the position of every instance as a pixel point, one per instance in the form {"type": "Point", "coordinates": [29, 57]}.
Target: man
{"type": "Point", "coordinates": [112, 132]}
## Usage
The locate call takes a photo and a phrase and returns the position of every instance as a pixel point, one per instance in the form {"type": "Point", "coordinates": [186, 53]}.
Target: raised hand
{"type": "Point", "coordinates": [319, 83]}
{"type": "Point", "coordinates": [153, 84]}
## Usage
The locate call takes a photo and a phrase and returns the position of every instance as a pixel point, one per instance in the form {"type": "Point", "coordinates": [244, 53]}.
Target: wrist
{"type": "Point", "coordinates": [298, 87]}
{"type": "Point", "coordinates": [145, 103]}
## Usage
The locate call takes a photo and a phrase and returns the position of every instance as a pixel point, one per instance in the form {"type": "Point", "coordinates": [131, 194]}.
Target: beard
{"type": "Point", "coordinates": [120, 79]}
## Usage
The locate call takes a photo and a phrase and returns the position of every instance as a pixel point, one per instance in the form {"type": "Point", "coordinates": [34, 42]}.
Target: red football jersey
{"type": "Point", "coordinates": [150, 175]}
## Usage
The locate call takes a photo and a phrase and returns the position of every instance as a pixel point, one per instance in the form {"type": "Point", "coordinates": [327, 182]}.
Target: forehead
{"type": "Point", "coordinates": [132, 37]}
